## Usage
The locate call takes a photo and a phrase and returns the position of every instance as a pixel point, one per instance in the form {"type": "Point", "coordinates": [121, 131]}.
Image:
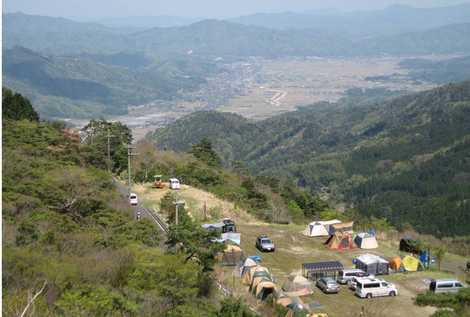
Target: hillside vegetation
{"type": "Point", "coordinates": [71, 244]}
{"type": "Point", "coordinates": [406, 159]}
{"type": "Point", "coordinates": [92, 85]}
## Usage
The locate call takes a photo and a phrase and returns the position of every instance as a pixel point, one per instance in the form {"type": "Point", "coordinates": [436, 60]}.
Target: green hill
{"type": "Point", "coordinates": [95, 85]}
{"type": "Point", "coordinates": [70, 239]}
{"type": "Point", "coordinates": [441, 72]}
{"type": "Point", "coordinates": [382, 156]}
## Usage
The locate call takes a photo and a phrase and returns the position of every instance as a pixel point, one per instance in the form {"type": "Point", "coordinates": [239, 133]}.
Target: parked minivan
{"type": "Point", "coordinates": [371, 287]}
{"type": "Point", "coordinates": [346, 275]}
{"type": "Point", "coordinates": [445, 286]}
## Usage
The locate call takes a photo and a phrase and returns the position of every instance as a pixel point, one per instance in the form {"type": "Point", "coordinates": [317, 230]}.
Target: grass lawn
{"type": "Point", "coordinates": [293, 249]}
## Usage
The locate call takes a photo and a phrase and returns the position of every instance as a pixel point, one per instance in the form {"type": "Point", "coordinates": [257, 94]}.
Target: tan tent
{"type": "Point", "coordinates": [264, 288]}
{"type": "Point", "coordinates": [297, 285]}
{"type": "Point", "coordinates": [319, 228]}
{"type": "Point", "coordinates": [248, 276]}
{"type": "Point", "coordinates": [366, 241]}
{"type": "Point", "coordinates": [258, 277]}
{"type": "Point", "coordinates": [340, 241]}
{"type": "Point", "coordinates": [345, 227]}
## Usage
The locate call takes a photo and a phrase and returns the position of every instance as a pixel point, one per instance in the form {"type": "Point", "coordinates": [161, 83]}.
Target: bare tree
{"type": "Point", "coordinates": [33, 298]}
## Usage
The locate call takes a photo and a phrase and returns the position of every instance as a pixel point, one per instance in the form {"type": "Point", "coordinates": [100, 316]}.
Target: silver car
{"type": "Point", "coordinates": [328, 285]}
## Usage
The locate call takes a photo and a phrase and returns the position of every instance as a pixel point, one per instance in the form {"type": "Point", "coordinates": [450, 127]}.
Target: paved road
{"type": "Point", "coordinates": [140, 211]}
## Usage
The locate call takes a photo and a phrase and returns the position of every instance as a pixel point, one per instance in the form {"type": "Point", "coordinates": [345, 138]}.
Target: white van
{"type": "Point", "coordinates": [346, 275]}
{"type": "Point", "coordinates": [445, 286]}
{"type": "Point", "coordinates": [174, 183]}
{"type": "Point", "coordinates": [372, 287]}
{"type": "Point", "coordinates": [133, 199]}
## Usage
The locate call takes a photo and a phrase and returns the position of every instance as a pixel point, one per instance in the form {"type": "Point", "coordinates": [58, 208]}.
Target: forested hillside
{"type": "Point", "coordinates": [71, 245]}
{"type": "Point", "coordinates": [440, 72]}
{"type": "Point", "coordinates": [404, 158]}
{"type": "Point", "coordinates": [99, 84]}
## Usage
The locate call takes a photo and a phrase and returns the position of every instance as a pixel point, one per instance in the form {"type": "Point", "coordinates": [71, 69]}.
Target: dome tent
{"type": "Point", "coordinates": [366, 241]}
{"type": "Point", "coordinates": [319, 228]}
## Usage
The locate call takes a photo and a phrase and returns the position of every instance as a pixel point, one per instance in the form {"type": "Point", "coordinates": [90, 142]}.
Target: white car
{"type": "Point", "coordinates": [174, 183]}
{"type": "Point", "coordinates": [371, 287]}
{"type": "Point", "coordinates": [133, 199]}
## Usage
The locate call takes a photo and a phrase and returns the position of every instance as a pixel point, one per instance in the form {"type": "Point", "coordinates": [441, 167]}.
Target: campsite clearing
{"type": "Point", "coordinates": [293, 249]}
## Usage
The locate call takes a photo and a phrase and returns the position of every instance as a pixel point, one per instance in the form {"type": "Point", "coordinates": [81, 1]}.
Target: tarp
{"type": "Point", "coordinates": [341, 227]}
{"type": "Point", "coordinates": [411, 264]}
{"type": "Point", "coordinates": [319, 228]}
{"type": "Point", "coordinates": [232, 255]}
{"type": "Point", "coordinates": [395, 263]}
{"type": "Point", "coordinates": [366, 241]}
{"type": "Point", "coordinates": [340, 241]}
{"type": "Point", "coordinates": [410, 245]}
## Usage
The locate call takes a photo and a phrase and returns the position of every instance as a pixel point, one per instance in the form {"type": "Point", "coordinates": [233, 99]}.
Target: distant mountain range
{"type": "Point", "coordinates": [395, 19]}
{"type": "Point", "coordinates": [405, 158]}
{"type": "Point", "coordinates": [221, 38]}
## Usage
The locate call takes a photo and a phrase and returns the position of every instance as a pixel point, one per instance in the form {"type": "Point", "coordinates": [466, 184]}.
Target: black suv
{"type": "Point", "coordinates": [263, 243]}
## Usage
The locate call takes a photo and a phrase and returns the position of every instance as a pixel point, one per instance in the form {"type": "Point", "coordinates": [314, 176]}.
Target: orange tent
{"type": "Point", "coordinates": [395, 263]}
{"type": "Point", "coordinates": [340, 241]}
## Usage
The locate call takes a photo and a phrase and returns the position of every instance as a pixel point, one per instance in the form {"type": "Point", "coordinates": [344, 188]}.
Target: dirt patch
{"type": "Point", "coordinates": [201, 205]}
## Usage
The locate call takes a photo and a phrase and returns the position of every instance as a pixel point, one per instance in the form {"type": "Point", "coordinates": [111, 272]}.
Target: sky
{"type": "Point", "coordinates": [196, 8]}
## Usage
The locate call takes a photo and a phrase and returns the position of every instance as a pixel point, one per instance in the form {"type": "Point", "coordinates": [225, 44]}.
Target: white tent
{"type": "Point", "coordinates": [366, 241]}
{"type": "Point", "coordinates": [319, 228]}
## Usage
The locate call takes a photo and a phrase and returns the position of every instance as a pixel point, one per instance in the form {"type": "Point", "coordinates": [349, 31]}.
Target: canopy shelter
{"type": "Point", "coordinates": [249, 263]}
{"type": "Point", "coordinates": [340, 241]}
{"type": "Point", "coordinates": [366, 241]}
{"type": "Point", "coordinates": [345, 227]}
{"type": "Point", "coordinates": [372, 264]}
{"type": "Point", "coordinates": [412, 264]}
{"type": "Point", "coordinates": [232, 255]}
{"type": "Point", "coordinates": [319, 228]}
{"type": "Point", "coordinates": [297, 285]}
{"type": "Point", "coordinates": [318, 270]}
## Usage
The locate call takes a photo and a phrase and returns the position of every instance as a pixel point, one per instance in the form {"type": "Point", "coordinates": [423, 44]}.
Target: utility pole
{"type": "Point", "coordinates": [178, 203]}
{"type": "Point", "coordinates": [109, 136]}
{"type": "Point", "coordinates": [129, 156]}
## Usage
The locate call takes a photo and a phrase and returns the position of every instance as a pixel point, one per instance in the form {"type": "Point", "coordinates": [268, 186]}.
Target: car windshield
{"type": "Point", "coordinates": [133, 196]}
{"type": "Point", "coordinates": [266, 241]}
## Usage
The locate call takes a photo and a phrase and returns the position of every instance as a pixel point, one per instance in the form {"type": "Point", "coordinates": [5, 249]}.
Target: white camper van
{"type": "Point", "coordinates": [371, 287]}
{"type": "Point", "coordinates": [445, 286]}
{"type": "Point", "coordinates": [174, 183]}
